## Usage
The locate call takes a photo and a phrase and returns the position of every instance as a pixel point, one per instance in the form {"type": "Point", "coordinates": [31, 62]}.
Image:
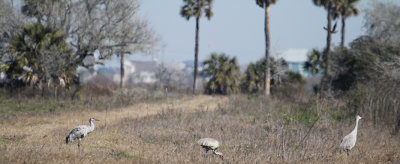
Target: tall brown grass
{"type": "Point", "coordinates": [252, 129]}
{"type": "Point", "coordinates": [94, 97]}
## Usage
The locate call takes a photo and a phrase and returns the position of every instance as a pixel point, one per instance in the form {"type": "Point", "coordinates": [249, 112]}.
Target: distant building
{"type": "Point", "coordinates": [139, 72]}
{"type": "Point", "coordinates": [144, 72]}
{"type": "Point", "coordinates": [296, 59]}
{"type": "Point", "coordinates": [298, 67]}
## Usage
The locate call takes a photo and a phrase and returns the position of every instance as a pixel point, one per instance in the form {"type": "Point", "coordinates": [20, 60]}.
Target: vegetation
{"type": "Point", "coordinates": [363, 75]}
{"type": "Point", "coordinates": [107, 28]}
{"type": "Point", "coordinates": [11, 23]}
{"type": "Point", "coordinates": [253, 80]}
{"type": "Point", "coordinates": [331, 7]}
{"type": "Point", "coordinates": [346, 9]}
{"type": "Point", "coordinates": [196, 8]}
{"type": "Point", "coordinates": [265, 4]}
{"type": "Point", "coordinates": [223, 74]}
{"type": "Point", "coordinates": [38, 55]}
{"type": "Point", "coordinates": [152, 124]}
{"type": "Point", "coordinates": [315, 62]}
{"type": "Point", "coordinates": [97, 97]}
{"type": "Point", "coordinates": [250, 130]}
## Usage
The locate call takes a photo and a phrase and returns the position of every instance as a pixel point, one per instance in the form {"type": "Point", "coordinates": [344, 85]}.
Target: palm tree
{"type": "Point", "coordinates": [347, 8]}
{"type": "Point", "coordinates": [314, 62]}
{"type": "Point", "coordinates": [329, 6]}
{"type": "Point", "coordinates": [39, 54]}
{"type": "Point", "coordinates": [196, 8]}
{"type": "Point", "coordinates": [265, 5]}
{"type": "Point", "coordinates": [223, 74]}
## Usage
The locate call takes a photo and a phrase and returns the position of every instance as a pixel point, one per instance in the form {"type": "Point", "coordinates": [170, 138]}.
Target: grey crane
{"type": "Point", "coordinates": [80, 132]}
{"type": "Point", "coordinates": [349, 141]}
{"type": "Point", "coordinates": [210, 144]}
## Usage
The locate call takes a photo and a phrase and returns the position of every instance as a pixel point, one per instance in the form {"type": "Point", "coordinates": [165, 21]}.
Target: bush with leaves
{"type": "Point", "coordinates": [315, 62]}
{"type": "Point", "coordinates": [223, 74]}
{"type": "Point", "coordinates": [39, 53]}
{"type": "Point", "coordinates": [293, 78]}
{"type": "Point", "coordinates": [291, 88]}
{"type": "Point", "coordinates": [367, 60]}
{"type": "Point", "coordinates": [253, 81]}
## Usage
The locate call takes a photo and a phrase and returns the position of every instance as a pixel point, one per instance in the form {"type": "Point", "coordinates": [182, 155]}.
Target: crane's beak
{"type": "Point", "coordinates": [96, 119]}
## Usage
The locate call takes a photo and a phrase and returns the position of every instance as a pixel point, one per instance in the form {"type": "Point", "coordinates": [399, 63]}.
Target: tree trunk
{"type": "Point", "coordinates": [55, 92]}
{"type": "Point", "coordinates": [267, 72]}
{"type": "Point", "coordinates": [343, 29]}
{"type": "Point", "coordinates": [328, 41]}
{"type": "Point", "coordinates": [42, 86]}
{"type": "Point", "coordinates": [196, 54]}
{"type": "Point", "coordinates": [397, 128]}
{"type": "Point", "coordinates": [122, 71]}
{"type": "Point", "coordinates": [326, 78]}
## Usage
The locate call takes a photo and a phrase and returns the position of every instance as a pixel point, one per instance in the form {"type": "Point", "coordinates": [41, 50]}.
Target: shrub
{"type": "Point", "coordinates": [223, 74]}
{"type": "Point", "coordinates": [253, 81]}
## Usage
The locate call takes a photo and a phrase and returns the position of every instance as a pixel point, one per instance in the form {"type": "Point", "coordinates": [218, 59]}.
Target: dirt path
{"type": "Point", "coordinates": [26, 129]}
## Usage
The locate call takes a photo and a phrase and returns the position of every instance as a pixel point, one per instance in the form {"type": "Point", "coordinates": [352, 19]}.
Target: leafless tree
{"type": "Point", "coordinates": [170, 76]}
{"type": "Point", "coordinates": [10, 24]}
{"type": "Point", "coordinates": [106, 27]}
{"type": "Point", "coordinates": [382, 22]}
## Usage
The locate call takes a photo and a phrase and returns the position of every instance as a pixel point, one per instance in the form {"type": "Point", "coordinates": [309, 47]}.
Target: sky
{"type": "Point", "coordinates": [237, 29]}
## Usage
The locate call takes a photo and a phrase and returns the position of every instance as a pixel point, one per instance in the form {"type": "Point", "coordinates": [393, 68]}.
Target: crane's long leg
{"type": "Point", "coordinates": [79, 146]}
{"type": "Point", "coordinates": [205, 154]}
{"type": "Point", "coordinates": [347, 152]}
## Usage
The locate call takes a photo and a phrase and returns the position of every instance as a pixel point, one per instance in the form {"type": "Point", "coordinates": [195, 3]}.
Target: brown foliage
{"type": "Point", "coordinates": [251, 130]}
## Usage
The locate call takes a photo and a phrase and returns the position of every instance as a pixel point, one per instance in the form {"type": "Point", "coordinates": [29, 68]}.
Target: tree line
{"type": "Point", "coordinates": [364, 76]}
{"type": "Point", "coordinates": [50, 39]}
{"type": "Point", "coordinates": [335, 9]}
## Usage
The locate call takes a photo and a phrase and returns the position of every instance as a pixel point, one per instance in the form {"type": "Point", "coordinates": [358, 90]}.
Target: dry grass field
{"type": "Point", "coordinates": [251, 129]}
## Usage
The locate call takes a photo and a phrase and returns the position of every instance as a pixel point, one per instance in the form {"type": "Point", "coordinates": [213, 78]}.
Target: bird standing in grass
{"type": "Point", "coordinates": [80, 132]}
{"type": "Point", "coordinates": [349, 141]}
{"type": "Point", "coordinates": [210, 144]}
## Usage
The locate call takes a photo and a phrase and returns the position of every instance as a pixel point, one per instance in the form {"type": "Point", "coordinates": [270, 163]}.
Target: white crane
{"type": "Point", "coordinates": [80, 132]}
{"type": "Point", "coordinates": [210, 144]}
{"type": "Point", "coordinates": [349, 141]}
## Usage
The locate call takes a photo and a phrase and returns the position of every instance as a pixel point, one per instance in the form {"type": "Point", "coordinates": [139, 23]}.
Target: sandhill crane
{"type": "Point", "coordinates": [210, 144]}
{"type": "Point", "coordinates": [349, 141]}
{"type": "Point", "coordinates": [80, 132]}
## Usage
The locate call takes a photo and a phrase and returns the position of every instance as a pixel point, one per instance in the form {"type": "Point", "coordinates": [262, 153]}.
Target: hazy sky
{"type": "Point", "coordinates": [237, 29]}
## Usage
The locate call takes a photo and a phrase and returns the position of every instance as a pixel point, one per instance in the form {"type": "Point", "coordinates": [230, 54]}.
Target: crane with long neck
{"type": "Point", "coordinates": [80, 132]}
{"type": "Point", "coordinates": [349, 141]}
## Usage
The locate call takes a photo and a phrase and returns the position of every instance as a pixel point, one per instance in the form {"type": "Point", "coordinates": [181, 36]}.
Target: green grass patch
{"type": "Point", "coordinates": [126, 155]}
{"type": "Point", "coordinates": [304, 115]}
{"type": "Point", "coordinates": [15, 107]}
{"type": "Point", "coordinates": [100, 147]}
{"type": "Point", "coordinates": [341, 114]}
{"type": "Point", "coordinates": [4, 141]}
